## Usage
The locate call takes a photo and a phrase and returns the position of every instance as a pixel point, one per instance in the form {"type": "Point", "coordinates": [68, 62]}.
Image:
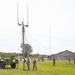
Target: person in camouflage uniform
{"type": "Point", "coordinates": [34, 63]}
{"type": "Point", "coordinates": [28, 63]}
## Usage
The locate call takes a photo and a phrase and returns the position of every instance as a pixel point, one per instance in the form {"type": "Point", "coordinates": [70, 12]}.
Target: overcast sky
{"type": "Point", "coordinates": [51, 25]}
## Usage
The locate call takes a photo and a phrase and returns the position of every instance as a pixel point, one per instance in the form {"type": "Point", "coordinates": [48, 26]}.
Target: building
{"type": "Point", "coordinates": [62, 55]}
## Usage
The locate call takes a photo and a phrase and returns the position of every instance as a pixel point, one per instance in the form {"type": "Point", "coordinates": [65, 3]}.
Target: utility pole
{"type": "Point", "coordinates": [23, 37]}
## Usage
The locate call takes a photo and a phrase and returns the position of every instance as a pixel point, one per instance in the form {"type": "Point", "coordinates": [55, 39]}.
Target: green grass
{"type": "Point", "coordinates": [44, 68]}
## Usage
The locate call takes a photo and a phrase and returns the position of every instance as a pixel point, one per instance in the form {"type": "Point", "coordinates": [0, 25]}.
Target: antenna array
{"type": "Point", "coordinates": [23, 31]}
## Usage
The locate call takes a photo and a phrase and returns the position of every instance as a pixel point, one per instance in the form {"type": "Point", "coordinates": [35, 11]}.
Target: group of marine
{"type": "Point", "coordinates": [34, 63]}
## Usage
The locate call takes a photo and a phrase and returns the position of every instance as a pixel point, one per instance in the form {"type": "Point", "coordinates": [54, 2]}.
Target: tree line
{"type": "Point", "coordinates": [28, 50]}
{"type": "Point", "coordinates": [7, 55]}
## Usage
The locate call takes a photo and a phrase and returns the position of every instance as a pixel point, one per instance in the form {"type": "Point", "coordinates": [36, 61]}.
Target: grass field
{"type": "Point", "coordinates": [44, 68]}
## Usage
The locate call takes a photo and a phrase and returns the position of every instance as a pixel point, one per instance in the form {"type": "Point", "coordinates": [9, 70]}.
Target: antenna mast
{"type": "Point", "coordinates": [50, 40]}
{"type": "Point", "coordinates": [27, 16]}
{"type": "Point", "coordinates": [23, 31]}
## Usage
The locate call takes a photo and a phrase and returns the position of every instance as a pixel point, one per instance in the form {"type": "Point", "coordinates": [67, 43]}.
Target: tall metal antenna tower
{"type": "Point", "coordinates": [23, 31]}
{"type": "Point", "coordinates": [50, 40]}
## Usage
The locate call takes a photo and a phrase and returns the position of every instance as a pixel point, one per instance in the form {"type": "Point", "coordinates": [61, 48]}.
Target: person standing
{"type": "Point", "coordinates": [34, 63]}
{"type": "Point", "coordinates": [74, 61]}
{"type": "Point", "coordinates": [53, 62]}
{"type": "Point", "coordinates": [28, 63]}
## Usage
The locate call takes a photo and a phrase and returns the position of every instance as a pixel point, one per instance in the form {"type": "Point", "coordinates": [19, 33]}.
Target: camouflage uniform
{"type": "Point", "coordinates": [34, 64]}
{"type": "Point", "coordinates": [28, 64]}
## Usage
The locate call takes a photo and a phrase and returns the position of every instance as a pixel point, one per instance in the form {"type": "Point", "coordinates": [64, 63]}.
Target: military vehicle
{"type": "Point", "coordinates": [8, 61]}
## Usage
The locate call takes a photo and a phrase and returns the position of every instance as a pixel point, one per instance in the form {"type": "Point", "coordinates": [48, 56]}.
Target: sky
{"type": "Point", "coordinates": [51, 25]}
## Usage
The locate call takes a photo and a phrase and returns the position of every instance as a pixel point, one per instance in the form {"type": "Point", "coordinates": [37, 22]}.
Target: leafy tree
{"type": "Point", "coordinates": [36, 55]}
{"type": "Point", "coordinates": [27, 48]}
{"type": "Point", "coordinates": [8, 55]}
